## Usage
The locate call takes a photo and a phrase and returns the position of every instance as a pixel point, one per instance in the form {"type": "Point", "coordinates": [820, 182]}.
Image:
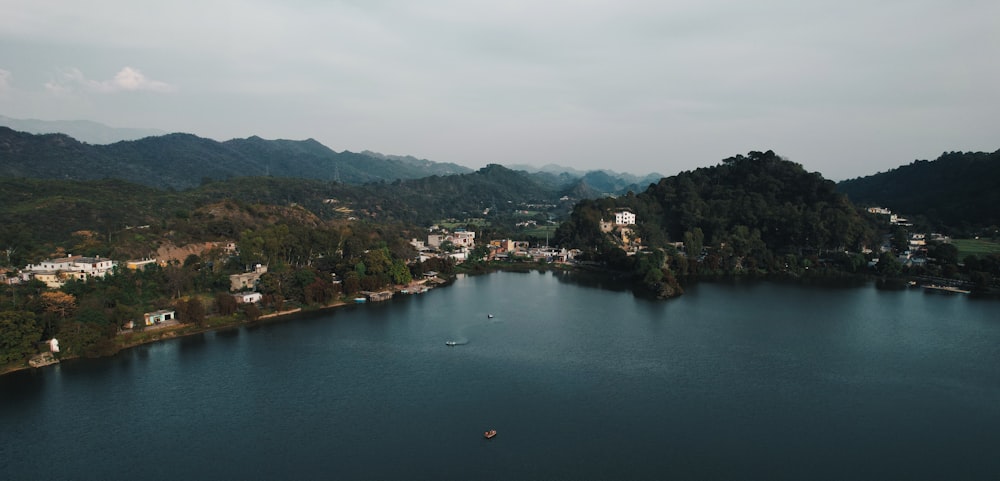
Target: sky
{"type": "Point", "coordinates": [845, 88]}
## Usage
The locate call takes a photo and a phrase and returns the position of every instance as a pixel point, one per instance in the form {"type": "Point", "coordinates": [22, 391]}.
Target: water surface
{"type": "Point", "coordinates": [745, 381]}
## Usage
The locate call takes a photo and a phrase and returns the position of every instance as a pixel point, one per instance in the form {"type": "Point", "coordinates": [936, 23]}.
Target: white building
{"type": "Point", "coordinates": [459, 239]}
{"type": "Point", "coordinates": [624, 217]}
{"type": "Point", "coordinates": [156, 317]}
{"type": "Point", "coordinates": [248, 297]}
{"type": "Point", "coordinates": [55, 272]}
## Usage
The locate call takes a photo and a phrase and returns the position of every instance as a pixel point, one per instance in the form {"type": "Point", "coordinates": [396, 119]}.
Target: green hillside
{"type": "Point", "coordinates": [183, 160]}
{"type": "Point", "coordinates": [957, 193]}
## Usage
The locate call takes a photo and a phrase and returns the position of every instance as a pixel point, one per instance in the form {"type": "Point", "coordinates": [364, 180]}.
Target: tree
{"type": "Point", "coordinates": [399, 273]}
{"type": "Point", "coordinates": [225, 304]}
{"type": "Point", "coordinates": [478, 253]}
{"type": "Point", "coordinates": [694, 242]}
{"type": "Point", "coordinates": [888, 265]}
{"type": "Point", "coordinates": [900, 239]}
{"type": "Point", "coordinates": [192, 311]}
{"type": "Point", "coordinates": [58, 303]}
{"type": "Point", "coordinates": [944, 253]}
{"type": "Point", "coordinates": [252, 312]}
{"type": "Point", "coordinates": [19, 331]}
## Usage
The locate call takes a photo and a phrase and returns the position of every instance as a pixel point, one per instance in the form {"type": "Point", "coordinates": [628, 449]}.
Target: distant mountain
{"type": "Point", "coordinates": [83, 130]}
{"type": "Point", "coordinates": [548, 168]}
{"type": "Point", "coordinates": [184, 160]}
{"type": "Point", "coordinates": [433, 168]}
{"type": "Point", "coordinates": [956, 191]}
{"type": "Point", "coordinates": [494, 188]}
{"type": "Point", "coordinates": [594, 183]}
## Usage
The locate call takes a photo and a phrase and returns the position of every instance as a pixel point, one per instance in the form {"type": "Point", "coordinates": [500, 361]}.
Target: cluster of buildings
{"type": "Point", "coordinates": [894, 219]}
{"type": "Point", "coordinates": [620, 226]}
{"type": "Point", "coordinates": [57, 272]}
{"type": "Point", "coordinates": [916, 245]}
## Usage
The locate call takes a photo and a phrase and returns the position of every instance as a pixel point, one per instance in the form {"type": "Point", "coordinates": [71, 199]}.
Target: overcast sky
{"type": "Point", "coordinates": [845, 88]}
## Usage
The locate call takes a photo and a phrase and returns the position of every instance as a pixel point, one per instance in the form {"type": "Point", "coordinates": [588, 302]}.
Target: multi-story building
{"type": "Point", "coordinates": [55, 272]}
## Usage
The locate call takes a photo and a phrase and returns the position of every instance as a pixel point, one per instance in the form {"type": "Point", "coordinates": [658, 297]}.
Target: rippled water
{"type": "Point", "coordinates": [746, 381]}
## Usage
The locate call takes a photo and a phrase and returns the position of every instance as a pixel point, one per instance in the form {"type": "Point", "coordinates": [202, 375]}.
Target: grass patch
{"type": "Point", "coordinates": [975, 247]}
{"type": "Point", "coordinates": [453, 223]}
{"type": "Point", "coordinates": [540, 231]}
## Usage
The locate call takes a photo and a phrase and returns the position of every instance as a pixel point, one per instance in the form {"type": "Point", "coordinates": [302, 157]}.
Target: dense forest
{"type": "Point", "coordinates": [304, 253]}
{"type": "Point", "coordinates": [753, 215]}
{"type": "Point", "coordinates": [958, 192]}
{"type": "Point", "coordinates": [38, 217]}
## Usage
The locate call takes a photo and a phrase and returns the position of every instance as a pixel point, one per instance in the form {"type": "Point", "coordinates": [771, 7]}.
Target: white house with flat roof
{"type": "Point", "coordinates": [624, 217]}
{"type": "Point", "coordinates": [55, 272]}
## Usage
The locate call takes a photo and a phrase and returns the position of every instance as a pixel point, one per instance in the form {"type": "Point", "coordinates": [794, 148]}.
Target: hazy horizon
{"type": "Point", "coordinates": [845, 89]}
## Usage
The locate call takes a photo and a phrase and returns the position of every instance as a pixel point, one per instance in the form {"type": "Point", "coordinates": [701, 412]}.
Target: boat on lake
{"type": "Point", "coordinates": [489, 316]}
{"type": "Point", "coordinates": [451, 343]}
{"type": "Point", "coordinates": [490, 434]}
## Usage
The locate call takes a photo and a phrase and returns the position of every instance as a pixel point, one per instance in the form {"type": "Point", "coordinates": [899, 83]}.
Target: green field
{"type": "Point", "coordinates": [540, 231]}
{"type": "Point", "coordinates": [975, 247]}
{"type": "Point", "coordinates": [453, 223]}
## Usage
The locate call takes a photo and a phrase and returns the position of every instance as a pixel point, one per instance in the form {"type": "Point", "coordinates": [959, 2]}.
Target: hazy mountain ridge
{"type": "Point", "coordinates": [83, 130]}
{"type": "Point", "coordinates": [422, 163]}
{"type": "Point", "coordinates": [593, 182]}
{"type": "Point", "coordinates": [185, 160]}
{"type": "Point", "coordinates": [90, 150]}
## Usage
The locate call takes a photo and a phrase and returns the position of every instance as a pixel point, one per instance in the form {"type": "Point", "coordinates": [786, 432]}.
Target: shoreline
{"type": "Point", "coordinates": [172, 332]}
{"type": "Point", "coordinates": [126, 341]}
{"type": "Point", "coordinates": [185, 330]}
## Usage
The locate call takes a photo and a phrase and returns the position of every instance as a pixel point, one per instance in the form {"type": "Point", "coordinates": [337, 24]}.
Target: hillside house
{"type": "Point", "coordinates": [460, 239]}
{"type": "Point", "coordinates": [247, 280]}
{"type": "Point", "coordinates": [139, 264]}
{"type": "Point", "coordinates": [624, 217]}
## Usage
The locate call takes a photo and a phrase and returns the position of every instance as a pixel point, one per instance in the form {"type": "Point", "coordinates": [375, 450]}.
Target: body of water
{"type": "Point", "coordinates": [744, 381]}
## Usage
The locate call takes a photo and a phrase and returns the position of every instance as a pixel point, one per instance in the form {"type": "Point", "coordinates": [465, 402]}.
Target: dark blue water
{"type": "Point", "coordinates": [755, 381]}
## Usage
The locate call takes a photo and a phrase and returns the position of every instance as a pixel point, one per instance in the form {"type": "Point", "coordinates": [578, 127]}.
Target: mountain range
{"type": "Point", "coordinates": [182, 161]}
{"type": "Point", "coordinates": [83, 130]}
{"type": "Point", "coordinates": [955, 191]}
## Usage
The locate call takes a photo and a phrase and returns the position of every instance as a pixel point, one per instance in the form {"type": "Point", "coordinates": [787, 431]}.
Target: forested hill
{"type": "Point", "coordinates": [34, 220]}
{"type": "Point", "coordinates": [488, 192]}
{"type": "Point", "coordinates": [183, 160]}
{"type": "Point", "coordinates": [957, 191]}
{"type": "Point", "coordinates": [758, 204]}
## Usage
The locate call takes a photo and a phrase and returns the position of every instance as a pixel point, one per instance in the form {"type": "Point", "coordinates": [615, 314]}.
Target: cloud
{"type": "Point", "coordinates": [128, 79]}
{"type": "Point", "coordinates": [4, 81]}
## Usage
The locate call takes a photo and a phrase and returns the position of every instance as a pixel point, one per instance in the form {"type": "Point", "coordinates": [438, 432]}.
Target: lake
{"type": "Point", "coordinates": [729, 381]}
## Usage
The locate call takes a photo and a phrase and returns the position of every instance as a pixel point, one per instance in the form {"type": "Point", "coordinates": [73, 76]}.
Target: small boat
{"type": "Point", "coordinates": [489, 316]}
{"type": "Point", "coordinates": [360, 300]}
{"type": "Point", "coordinates": [489, 434]}
{"type": "Point", "coordinates": [451, 343]}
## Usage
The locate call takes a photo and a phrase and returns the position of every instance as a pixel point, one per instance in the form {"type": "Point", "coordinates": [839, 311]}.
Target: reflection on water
{"type": "Point", "coordinates": [581, 379]}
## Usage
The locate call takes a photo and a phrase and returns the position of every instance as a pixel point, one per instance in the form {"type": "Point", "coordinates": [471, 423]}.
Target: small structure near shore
{"type": "Point", "coordinates": [43, 359]}
{"type": "Point", "coordinates": [157, 317]}
{"type": "Point", "coordinates": [377, 296]}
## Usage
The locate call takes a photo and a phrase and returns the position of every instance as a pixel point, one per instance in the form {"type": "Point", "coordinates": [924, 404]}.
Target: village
{"type": "Point", "coordinates": [458, 245]}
